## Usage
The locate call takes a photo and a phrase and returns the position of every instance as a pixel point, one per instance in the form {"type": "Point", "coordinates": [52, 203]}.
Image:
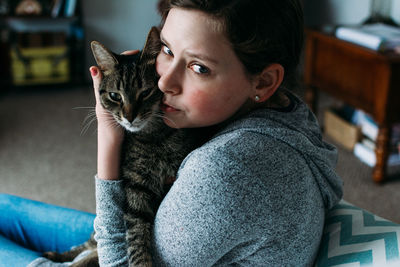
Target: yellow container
{"type": "Point", "coordinates": [341, 130]}
{"type": "Point", "coordinates": [40, 65]}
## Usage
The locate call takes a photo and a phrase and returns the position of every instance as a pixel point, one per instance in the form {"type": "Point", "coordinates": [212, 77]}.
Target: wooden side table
{"type": "Point", "coordinates": [360, 77]}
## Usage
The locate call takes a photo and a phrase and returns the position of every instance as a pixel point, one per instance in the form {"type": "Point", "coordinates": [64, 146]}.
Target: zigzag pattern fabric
{"type": "Point", "coordinates": [355, 237]}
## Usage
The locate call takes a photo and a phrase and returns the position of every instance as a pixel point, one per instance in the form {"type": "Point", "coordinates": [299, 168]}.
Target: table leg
{"type": "Point", "coordinates": [382, 154]}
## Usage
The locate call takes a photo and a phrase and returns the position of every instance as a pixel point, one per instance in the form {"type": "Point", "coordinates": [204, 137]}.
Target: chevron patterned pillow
{"type": "Point", "coordinates": [355, 237]}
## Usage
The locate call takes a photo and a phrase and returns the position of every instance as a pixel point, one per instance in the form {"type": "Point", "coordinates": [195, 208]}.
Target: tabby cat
{"type": "Point", "coordinates": [151, 152]}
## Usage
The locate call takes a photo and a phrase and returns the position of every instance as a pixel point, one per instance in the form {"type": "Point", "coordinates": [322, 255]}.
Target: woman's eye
{"type": "Point", "coordinates": [115, 97]}
{"type": "Point", "coordinates": [199, 69]}
{"type": "Point", "coordinates": [167, 51]}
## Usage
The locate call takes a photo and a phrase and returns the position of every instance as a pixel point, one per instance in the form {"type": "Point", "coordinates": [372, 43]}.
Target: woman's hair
{"type": "Point", "coordinates": [261, 32]}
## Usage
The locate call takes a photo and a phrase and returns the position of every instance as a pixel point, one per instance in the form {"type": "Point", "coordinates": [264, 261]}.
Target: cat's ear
{"type": "Point", "coordinates": [105, 58]}
{"type": "Point", "coordinates": [152, 46]}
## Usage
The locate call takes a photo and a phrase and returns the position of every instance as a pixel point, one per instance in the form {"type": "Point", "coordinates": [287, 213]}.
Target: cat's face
{"type": "Point", "coordinates": [132, 100]}
{"type": "Point", "coordinates": [129, 86]}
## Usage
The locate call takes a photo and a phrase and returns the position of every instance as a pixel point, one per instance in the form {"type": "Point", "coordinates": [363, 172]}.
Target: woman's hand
{"type": "Point", "coordinates": [109, 134]}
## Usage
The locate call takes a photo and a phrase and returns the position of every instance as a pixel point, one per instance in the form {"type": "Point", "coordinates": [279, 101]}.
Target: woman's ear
{"type": "Point", "coordinates": [268, 81]}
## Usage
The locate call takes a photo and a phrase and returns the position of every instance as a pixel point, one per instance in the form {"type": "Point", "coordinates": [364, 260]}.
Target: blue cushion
{"type": "Point", "coordinates": [355, 237]}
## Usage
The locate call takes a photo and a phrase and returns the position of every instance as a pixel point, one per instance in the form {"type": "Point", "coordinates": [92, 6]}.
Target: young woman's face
{"type": "Point", "coordinates": [203, 80]}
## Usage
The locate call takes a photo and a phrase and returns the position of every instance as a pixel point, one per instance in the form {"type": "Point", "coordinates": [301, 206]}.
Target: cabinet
{"type": "Point", "coordinates": [42, 50]}
{"type": "Point", "coordinates": [358, 76]}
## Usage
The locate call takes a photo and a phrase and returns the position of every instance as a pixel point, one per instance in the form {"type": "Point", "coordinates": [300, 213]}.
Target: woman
{"type": "Point", "coordinates": [256, 193]}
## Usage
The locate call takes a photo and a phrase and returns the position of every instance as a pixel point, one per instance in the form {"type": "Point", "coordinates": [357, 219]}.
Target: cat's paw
{"type": "Point", "coordinates": [54, 256]}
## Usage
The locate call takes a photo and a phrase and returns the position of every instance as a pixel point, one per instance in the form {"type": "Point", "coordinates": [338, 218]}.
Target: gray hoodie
{"type": "Point", "coordinates": [254, 195]}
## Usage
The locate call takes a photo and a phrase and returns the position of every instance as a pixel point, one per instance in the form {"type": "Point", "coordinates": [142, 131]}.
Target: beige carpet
{"type": "Point", "coordinates": [43, 155]}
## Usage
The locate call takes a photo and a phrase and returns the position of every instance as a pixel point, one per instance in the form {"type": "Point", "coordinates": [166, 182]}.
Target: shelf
{"type": "Point", "coordinates": [33, 18]}
{"type": "Point", "coordinates": [27, 42]}
{"type": "Point", "coordinates": [39, 24]}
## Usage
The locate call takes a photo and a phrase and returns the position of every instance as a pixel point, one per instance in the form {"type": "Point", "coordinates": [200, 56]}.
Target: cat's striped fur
{"type": "Point", "coordinates": [151, 151]}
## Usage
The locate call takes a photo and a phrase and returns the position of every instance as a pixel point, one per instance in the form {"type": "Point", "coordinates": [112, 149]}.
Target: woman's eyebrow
{"type": "Point", "coordinates": [202, 57]}
{"type": "Point", "coordinates": [163, 40]}
{"type": "Point", "coordinates": [190, 54]}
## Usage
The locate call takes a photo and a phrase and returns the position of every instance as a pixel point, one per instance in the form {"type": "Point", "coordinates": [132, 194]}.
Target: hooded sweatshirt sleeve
{"type": "Point", "coordinates": [109, 224]}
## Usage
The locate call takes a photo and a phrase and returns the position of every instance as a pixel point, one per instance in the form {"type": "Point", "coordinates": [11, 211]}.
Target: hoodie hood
{"type": "Point", "coordinates": [299, 129]}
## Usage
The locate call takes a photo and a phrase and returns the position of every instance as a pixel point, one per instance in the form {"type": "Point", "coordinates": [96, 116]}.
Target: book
{"type": "Point", "coordinates": [70, 6]}
{"type": "Point", "coordinates": [368, 126]}
{"type": "Point", "coordinates": [376, 36]}
{"type": "Point", "coordinates": [370, 129]}
{"type": "Point", "coordinates": [367, 155]}
{"type": "Point", "coordinates": [57, 7]}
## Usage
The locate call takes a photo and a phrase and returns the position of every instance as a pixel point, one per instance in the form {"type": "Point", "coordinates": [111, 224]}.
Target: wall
{"type": "Point", "coordinates": [396, 10]}
{"type": "Point", "coordinates": [120, 24]}
{"type": "Point", "coordinates": [319, 12]}
{"type": "Point", "coordinates": [123, 24]}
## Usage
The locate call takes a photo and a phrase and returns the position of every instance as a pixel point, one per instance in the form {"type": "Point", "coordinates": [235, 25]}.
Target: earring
{"type": "Point", "coordinates": [257, 98]}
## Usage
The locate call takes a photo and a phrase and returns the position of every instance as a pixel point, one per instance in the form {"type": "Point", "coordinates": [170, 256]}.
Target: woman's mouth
{"type": "Point", "coordinates": [167, 108]}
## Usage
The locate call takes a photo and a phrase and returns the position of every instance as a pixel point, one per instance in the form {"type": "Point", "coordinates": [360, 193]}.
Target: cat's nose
{"type": "Point", "coordinates": [129, 117]}
{"type": "Point", "coordinates": [128, 113]}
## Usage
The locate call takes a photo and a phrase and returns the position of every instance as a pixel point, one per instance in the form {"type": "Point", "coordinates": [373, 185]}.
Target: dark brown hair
{"type": "Point", "coordinates": [261, 31]}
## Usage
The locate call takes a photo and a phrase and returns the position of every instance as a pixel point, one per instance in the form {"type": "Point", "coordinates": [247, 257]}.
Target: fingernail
{"type": "Point", "coordinates": [93, 71]}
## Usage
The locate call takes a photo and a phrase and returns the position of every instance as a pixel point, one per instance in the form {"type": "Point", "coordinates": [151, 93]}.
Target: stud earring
{"type": "Point", "coordinates": [257, 98]}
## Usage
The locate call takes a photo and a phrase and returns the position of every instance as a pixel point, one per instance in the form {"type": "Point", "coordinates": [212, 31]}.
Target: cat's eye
{"type": "Point", "coordinates": [115, 97]}
{"type": "Point", "coordinates": [145, 93]}
{"type": "Point", "coordinates": [199, 69]}
{"type": "Point", "coordinates": [166, 50]}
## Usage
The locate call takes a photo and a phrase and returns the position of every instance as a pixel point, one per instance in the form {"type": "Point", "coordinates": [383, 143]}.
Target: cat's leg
{"type": "Point", "coordinates": [70, 255]}
{"type": "Point", "coordinates": [90, 260]}
{"type": "Point", "coordinates": [138, 238]}
{"type": "Point", "coordinates": [139, 218]}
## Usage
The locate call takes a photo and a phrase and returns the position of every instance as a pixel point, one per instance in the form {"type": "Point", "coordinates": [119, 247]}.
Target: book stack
{"type": "Point", "coordinates": [365, 149]}
{"type": "Point", "coordinates": [376, 36]}
{"type": "Point", "coordinates": [63, 8]}
{"type": "Point", "coordinates": [356, 131]}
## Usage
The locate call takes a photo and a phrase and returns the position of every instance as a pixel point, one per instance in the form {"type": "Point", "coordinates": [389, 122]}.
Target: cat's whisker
{"type": "Point", "coordinates": [115, 125]}
{"type": "Point", "coordinates": [90, 118]}
{"type": "Point", "coordinates": [90, 115]}
{"type": "Point", "coordinates": [107, 113]}
{"type": "Point", "coordinates": [90, 107]}
{"type": "Point", "coordinates": [87, 126]}
{"type": "Point", "coordinates": [111, 122]}
{"type": "Point", "coordinates": [161, 115]}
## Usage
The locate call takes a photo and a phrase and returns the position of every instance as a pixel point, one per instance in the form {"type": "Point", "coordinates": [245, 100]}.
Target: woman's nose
{"type": "Point", "coordinates": [169, 80]}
